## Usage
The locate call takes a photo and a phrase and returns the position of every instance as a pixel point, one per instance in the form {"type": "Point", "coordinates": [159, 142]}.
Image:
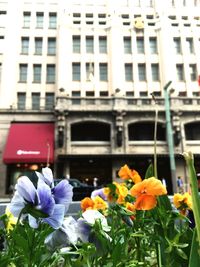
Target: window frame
{"type": "Point", "coordinates": [23, 73]}
{"type": "Point", "coordinates": [89, 41]}
{"type": "Point", "coordinates": [103, 44]}
{"type": "Point", "coordinates": [142, 73]}
{"type": "Point", "coordinates": [51, 46]}
{"type": "Point", "coordinates": [50, 73]}
{"type": "Point", "coordinates": [76, 43]}
{"type": "Point", "coordinates": [128, 68]}
{"type": "Point", "coordinates": [38, 45]}
{"type": "Point", "coordinates": [127, 45]}
{"type": "Point", "coordinates": [37, 73]}
{"type": "Point", "coordinates": [76, 71]}
{"type": "Point", "coordinates": [35, 101]}
{"type": "Point", "coordinates": [103, 72]}
{"type": "Point", "coordinates": [24, 45]}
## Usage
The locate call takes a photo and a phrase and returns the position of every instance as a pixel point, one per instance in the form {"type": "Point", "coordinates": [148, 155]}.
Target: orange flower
{"type": "Point", "coordinates": [130, 207]}
{"type": "Point", "coordinates": [126, 173]}
{"type": "Point", "coordinates": [183, 201]}
{"type": "Point", "coordinates": [87, 203]}
{"type": "Point", "coordinates": [118, 194]}
{"type": "Point", "coordinates": [146, 192]}
{"type": "Point", "coordinates": [108, 194]}
{"type": "Point", "coordinates": [122, 192]}
{"type": "Point", "coordinates": [99, 203]}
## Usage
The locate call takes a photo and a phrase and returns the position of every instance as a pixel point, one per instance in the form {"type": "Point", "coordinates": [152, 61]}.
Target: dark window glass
{"type": "Point", "coordinates": [192, 131]}
{"type": "Point", "coordinates": [144, 131]}
{"type": "Point", "coordinates": [90, 131]}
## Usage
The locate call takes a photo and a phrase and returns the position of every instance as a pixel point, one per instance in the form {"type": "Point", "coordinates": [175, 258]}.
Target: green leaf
{"type": "Point", "coordinates": [194, 253]}
{"type": "Point", "coordinates": [149, 172]}
{"type": "Point", "coordinates": [165, 203]}
{"type": "Point", "coordinates": [182, 254]}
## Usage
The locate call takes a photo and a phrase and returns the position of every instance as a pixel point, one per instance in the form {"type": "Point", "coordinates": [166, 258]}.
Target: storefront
{"type": "Point", "coordinates": [29, 147]}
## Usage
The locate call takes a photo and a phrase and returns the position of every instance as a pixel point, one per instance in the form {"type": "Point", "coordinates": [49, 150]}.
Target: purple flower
{"type": "Point", "coordinates": [62, 192]}
{"type": "Point", "coordinates": [66, 235]}
{"type": "Point", "coordinates": [100, 193]}
{"type": "Point", "coordinates": [46, 176]}
{"type": "Point", "coordinates": [86, 223]}
{"type": "Point", "coordinates": [42, 203]}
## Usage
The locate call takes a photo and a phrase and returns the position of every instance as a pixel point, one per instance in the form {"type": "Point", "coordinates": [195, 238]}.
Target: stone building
{"type": "Point", "coordinates": [76, 85]}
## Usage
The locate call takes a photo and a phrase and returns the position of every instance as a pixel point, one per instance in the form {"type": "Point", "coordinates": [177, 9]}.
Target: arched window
{"type": "Point", "coordinates": [192, 131]}
{"type": "Point", "coordinates": [90, 131]}
{"type": "Point", "coordinates": [144, 131]}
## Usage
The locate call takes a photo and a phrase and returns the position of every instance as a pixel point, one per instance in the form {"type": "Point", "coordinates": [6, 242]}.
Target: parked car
{"type": "Point", "coordinates": [80, 190]}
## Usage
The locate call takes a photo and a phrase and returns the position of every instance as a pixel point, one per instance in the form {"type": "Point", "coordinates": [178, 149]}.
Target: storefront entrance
{"type": "Point", "coordinates": [87, 168]}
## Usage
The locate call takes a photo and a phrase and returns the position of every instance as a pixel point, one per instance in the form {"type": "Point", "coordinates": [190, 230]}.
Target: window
{"type": "Point", "coordinates": [103, 71]}
{"type": "Point", "coordinates": [179, 71]}
{"type": "Point", "coordinates": [128, 72]}
{"type": "Point", "coordinates": [127, 45]}
{"type": "Point", "coordinates": [52, 20]}
{"type": "Point", "coordinates": [102, 44]}
{"type": "Point", "coordinates": [89, 44]}
{"type": "Point", "coordinates": [39, 20]}
{"type": "Point", "coordinates": [23, 68]}
{"type": "Point", "coordinates": [90, 131]}
{"type": "Point", "coordinates": [49, 100]}
{"type": "Point", "coordinates": [21, 101]}
{"type": "Point", "coordinates": [177, 45]}
{"type": "Point", "coordinates": [76, 39]}
{"type": "Point", "coordinates": [142, 131]}
{"type": "Point", "coordinates": [89, 93]}
{"type": "Point", "coordinates": [155, 72]}
{"type": "Point", "coordinates": [190, 45]}
{"type": "Point", "coordinates": [129, 94]}
{"type": "Point", "coordinates": [103, 93]}
{"type": "Point", "coordinates": [51, 73]}
{"type": "Point", "coordinates": [27, 19]}
{"type": "Point", "coordinates": [24, 45]}
{"type": "Point", "coordinates": [2, 43]}
{"type": "Point", "coordinates": [192, 131]}
{"type": "Point", "coordinates": [193, 72]}
{"type": "Point", "coordinates": [76, 93]}
{"type": "Point", "coordinates": [142, 72]}
{"type": "Point", "coordinates": [143, 94]}
{"type": "Point", "coordinates": [76, 15]}
{"type": "Point", "coordinates": [38, 46]}
{"type": "Point", "coordinates": [51, 50]}
{"type": "Point", "coordinates": [89, 15]}
{"type": "Point", "coordinates": [153, 45]}
{"type": "Point", "coordinates": [0, 71]}
{"type": "Point", "coordinates": [76, 71]}
{"type": "Point", "coordinates": [37, 68]}
{"type": "Point", "coordinates": [35, 101]}
{"type": "Point", "coordinates": [140, 45]}
{"type": "Point", "coordinates": [90, 71]}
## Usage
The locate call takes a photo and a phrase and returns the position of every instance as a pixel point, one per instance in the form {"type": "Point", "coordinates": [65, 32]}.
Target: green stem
{"type": "Point", "coordinates": [155, 143]}
{"type": "Point", "coordinates": [159, 255]}
{"type": "Point", "coordinates": [194, 191]}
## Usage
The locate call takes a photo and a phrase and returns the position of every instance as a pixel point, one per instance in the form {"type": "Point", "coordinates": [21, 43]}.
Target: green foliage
{"type": "Point", "coordinates": [23, 246]}
{"type": "Point", "coordinates": [160, 237]}
{"type": "Point", "coordinates": [149, 172]}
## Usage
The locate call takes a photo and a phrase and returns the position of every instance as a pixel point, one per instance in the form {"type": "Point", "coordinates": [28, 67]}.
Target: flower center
{"type": "Point", "coordinates": [144, 191]}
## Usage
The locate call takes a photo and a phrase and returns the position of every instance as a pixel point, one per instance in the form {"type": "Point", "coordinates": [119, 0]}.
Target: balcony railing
{"type": "Point", "coordinates": [125, 103]}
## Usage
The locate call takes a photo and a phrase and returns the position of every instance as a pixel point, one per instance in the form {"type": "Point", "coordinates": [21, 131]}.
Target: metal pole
{"type": "Point", "coordinates": [170, 140]}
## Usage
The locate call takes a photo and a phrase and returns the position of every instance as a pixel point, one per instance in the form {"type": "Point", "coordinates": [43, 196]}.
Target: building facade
{"type": "Point", "coordinates": [76, 86]}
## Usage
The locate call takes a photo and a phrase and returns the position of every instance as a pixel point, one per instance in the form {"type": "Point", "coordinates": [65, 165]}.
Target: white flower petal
{"type": "Point", "coordinates": [92, 215]}
{"type": "Point", "coordinates": [16, 205]}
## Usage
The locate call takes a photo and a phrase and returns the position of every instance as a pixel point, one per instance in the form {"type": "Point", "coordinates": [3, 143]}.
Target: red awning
{"type": "Point", "coordinates": [30, 142]}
